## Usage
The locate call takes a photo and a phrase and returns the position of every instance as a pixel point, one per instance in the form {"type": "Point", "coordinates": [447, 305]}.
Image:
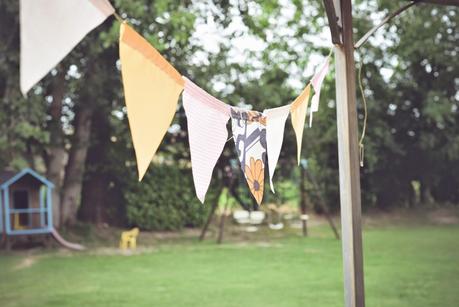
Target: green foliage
{"type": "Point", "coordinates": [165, 200]}
{"type": "Point", "coordinates": [412, 131]}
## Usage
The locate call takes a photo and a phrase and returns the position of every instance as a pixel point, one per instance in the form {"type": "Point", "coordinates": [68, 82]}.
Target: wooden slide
{"type": "Point", "coordinates": [66, 244]}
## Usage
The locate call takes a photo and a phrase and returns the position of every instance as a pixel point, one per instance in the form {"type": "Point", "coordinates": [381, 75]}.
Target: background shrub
{"type": "Point", "coordinates": [165, 200]}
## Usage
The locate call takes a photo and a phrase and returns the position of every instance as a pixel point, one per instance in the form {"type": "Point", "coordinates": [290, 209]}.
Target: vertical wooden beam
{"type": "Point", "coordinates": [1, 214]}
{"type": "Point", "coordinates": [348, 154]}
{"type": "Point", "coordinates": [335, 28]}
{"type": "Point", "coordinates": [304, 221]}
{"type": "Point", "coordinates": [49, 207]}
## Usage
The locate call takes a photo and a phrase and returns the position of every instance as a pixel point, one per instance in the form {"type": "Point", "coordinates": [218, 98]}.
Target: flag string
{"type": "Point", "coordinates": [121, 20]}
{"type": "Point", "coordinates": [118, 17]}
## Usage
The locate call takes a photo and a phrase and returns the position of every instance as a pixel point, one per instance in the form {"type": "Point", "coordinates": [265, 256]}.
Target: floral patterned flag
{"type": "Point", "coordinates": [50, 29]}
{"type": "Point", "coordinates": [249, 133]}
{"type": "Point", "coordinates": [207, 117]}
{"type": "Point", "coordinates": [275, 125]}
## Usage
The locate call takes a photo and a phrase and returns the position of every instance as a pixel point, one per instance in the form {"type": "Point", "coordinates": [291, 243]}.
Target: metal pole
{"type": "Point", "coordinates": [348, 156]}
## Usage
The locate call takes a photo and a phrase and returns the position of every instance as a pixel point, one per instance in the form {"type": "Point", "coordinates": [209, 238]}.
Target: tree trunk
{"type": "Point", "coordinates": [56, 154]}
{"type": "Point", "coordinates": [94, 196]}
{"type": "Point", "coordinates": [74, 170]}
{"type": "Point", "coordinates": [95, 193]}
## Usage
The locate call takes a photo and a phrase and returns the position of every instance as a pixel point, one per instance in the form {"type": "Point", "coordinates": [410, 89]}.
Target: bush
{"type": "Point", "coordinates": [165, 200]}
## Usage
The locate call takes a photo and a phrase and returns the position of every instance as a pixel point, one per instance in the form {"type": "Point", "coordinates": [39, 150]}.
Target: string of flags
{"type": "Point", "coordinates": [50, 29]}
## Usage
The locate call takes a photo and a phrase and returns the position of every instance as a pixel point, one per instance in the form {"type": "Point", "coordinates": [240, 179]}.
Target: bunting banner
{"type": "Point", "coordinates": [207, 118]}
{"type": "Point", "coordinates": [151, 89]}
{"type": "Point", "coordinates": [249, 134]}
{"type": "Point", "coordinates": [50, 29]}
{"type": "Point", "coordinates": [275, 125]}
{"type": "Point", "coordinates": [316, 82]}
{"type": "Point", "coordinates": [298, 111]}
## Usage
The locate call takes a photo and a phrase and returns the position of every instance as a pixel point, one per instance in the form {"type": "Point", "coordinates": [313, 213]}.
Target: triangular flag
{"type": "Point", "coordinates": [207, 117]}
{"type": "Point", "coordinates": [249, 134]}
{"type": "Point", "coordinates": [275, 125]}
{"type": "Point", "coordinates": [151, 89]}
{"type": "Point", "coordinates": [298, 111]}
{"type": "Point", "coordinates": [316, 82]}
{"type": "Point", "coordinates": [50, 29]}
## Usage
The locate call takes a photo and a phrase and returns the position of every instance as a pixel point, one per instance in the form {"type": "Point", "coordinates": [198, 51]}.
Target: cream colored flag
{"type": "Point", "coordinates": [275, 125]}
{"type": "Point", "coordinates": [298, 114]}
{"type": "Point", "coordinates": [316, 82]}
{"type": "Point", "coordinates": [151, 88]}
{"type": "Point", "coordinates": [50, 29]}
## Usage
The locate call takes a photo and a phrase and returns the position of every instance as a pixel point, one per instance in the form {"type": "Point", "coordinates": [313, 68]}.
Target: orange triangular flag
{"type": "Point", "coordinates": [151, 89]}
{"type": "Point", "coordinates": [298, 112]}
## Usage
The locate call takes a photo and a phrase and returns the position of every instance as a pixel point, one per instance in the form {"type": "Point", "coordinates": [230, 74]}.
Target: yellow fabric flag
{"type": "Point", "coordinates": [298, 112]}
{"type": "Point", "coordinates": [151, 89]}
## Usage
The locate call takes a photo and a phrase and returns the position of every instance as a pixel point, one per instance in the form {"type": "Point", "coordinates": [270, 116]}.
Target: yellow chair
{"type": "Point", "coordinates": [17, 223]}
{"type": "Point", "coordinates": [129, 238]}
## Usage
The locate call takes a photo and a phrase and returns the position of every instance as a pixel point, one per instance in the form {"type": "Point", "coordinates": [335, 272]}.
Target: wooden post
{"type": "Point", "coordinates": [208, 221]}
{"type": "Point", "coordinates": [303, 202]}
{"type": "Point", "coordinates": [323, 205]}
{"type": "Point", "coordinates": [8, 243]}
{"type": "Point", "coordinates": [213, 208]}
{"type": "Point", "coordinates": [348, 155]}
{"type": "Point", "coordinates": [222, 220]}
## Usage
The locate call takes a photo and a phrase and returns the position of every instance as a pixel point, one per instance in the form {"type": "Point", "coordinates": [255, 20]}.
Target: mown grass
{"type": "Point", "coordinates": [404, 266]}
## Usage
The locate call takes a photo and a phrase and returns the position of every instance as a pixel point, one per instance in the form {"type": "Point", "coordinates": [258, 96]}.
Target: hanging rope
{"type": "Point", "coordinates": [361, 146]}
{"type": "Point", "coordinates": [118, 17]}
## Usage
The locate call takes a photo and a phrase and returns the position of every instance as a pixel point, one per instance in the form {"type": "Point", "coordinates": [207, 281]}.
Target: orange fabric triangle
{"type": "Point", "coordinates": [151, 88]}
{"type": "Point", "coordinates": [298, 115]}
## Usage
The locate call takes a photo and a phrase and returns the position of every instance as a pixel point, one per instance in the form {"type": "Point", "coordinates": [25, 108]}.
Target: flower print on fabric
{"type": "Point", "coordinates": [255, 178]}
{"type": "Point", "coordinates": [249, 134]}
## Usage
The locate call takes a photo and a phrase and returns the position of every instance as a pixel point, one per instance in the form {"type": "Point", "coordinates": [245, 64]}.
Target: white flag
{"type": "Point", "coordinates": [207, 117]}
{"type": "Point", "coordinates": [275, 125]}
{"type": "Point", "coordinates": [50, 29]}
{"type": "Point", "coordinates": [316, 82]}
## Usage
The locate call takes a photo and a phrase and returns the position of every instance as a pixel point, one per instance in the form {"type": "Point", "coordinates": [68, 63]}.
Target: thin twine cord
{"type": "Point", "coordinates": [361, 145]}
{"type": "Point", "coordinates": [118, 17]}
{"type": "Point", "coordinates": [331, 50]}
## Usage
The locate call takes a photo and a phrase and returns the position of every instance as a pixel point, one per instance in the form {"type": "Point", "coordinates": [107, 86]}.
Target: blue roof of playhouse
{"type": "Point", "coordinates": [8, 178]}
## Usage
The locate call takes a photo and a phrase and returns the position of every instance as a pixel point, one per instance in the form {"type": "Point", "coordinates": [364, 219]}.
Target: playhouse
{"type": "Point", "coordinates": [25, 203]}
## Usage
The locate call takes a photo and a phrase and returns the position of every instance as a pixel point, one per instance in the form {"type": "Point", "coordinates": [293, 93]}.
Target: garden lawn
{"type": "Point", "coordinates": [416, 266]}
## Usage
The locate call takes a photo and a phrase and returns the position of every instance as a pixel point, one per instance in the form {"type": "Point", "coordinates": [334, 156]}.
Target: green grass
{"type": "Point", "coordinates": [415, 266]}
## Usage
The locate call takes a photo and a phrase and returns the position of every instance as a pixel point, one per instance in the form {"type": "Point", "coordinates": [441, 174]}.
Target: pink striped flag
{"type": "Point", "coordinates": [207, 117]}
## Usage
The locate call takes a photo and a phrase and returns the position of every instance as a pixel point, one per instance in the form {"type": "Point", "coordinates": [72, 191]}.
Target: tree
{"type": "Point", "coordinates": [73, 124]}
